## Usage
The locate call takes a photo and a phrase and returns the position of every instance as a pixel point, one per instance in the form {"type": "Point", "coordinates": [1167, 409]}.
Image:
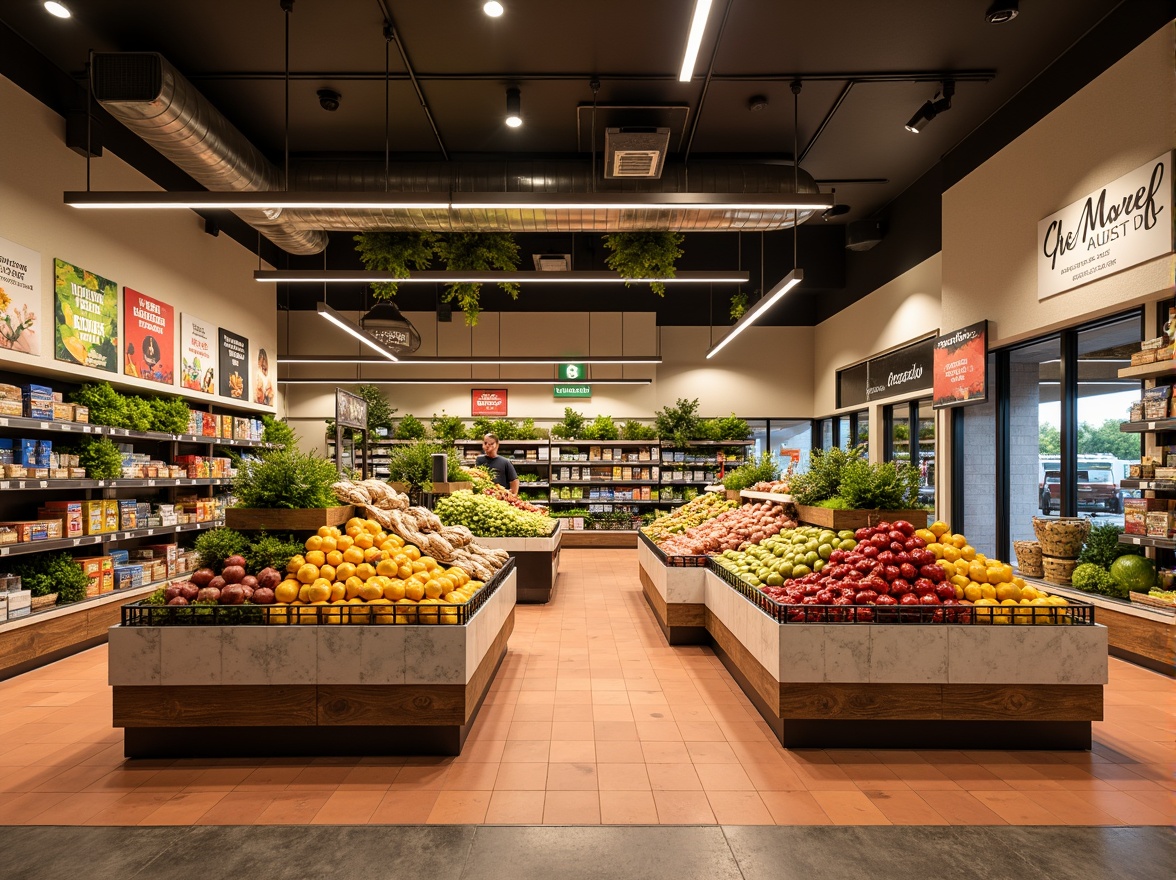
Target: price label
{"type": "Point", "coordinates": [44, 426]}
{"type": "Point", "coordinates": [151, 482]}
{"type": "Point", "coordinates": [3, 423]}
{"type": "Point", "coordinates": [87, 430]}
{"type": "Point", "coordinates": [44, 484]}
{"type": "Point", "coordinates": [1151, 426]}
{"type": "Point", "coordinates": [1136, 541]}
{"type": "Point", "coordinates": [77, 542]}
{"type": "Point", "coordinates": [66, 428]}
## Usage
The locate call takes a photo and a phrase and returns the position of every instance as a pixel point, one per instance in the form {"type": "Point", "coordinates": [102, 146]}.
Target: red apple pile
{"type": "Point", "coordinates": [889, 569]}
{"type": "Point", "coordinates": [231, 587]}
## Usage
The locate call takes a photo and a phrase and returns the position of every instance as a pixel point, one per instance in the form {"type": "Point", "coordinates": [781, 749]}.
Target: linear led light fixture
{"type": "Point", "coordinates": [469, 361]}
{"type": "Point", "coordinates": [350, 276]}
{"type": "Point", "coordinates": [694, 41]}
{"type": "Point", "coordinates": [351, 380]}
{"type": "Point", "coordinates": [753, 314]}
{"type": "Point", "coordinates": [384, 201]}
{"type": "Point", "coordinates": [358, 332]}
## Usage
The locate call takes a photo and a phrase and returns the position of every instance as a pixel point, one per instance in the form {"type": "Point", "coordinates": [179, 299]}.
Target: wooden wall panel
{"type": "Point", "coordinates": [215, 706]}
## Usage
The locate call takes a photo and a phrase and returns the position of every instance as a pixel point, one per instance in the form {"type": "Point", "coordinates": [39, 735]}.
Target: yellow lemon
{"type": "Point", "coordinates": [371, 590]}
{"type": "Point", "coordinates": [972, 593]}
{"type": "Point", "coordinates": [344, 570]}
{"type": "Point", "coordinates": [338, 591]}
{"type": "Point", "coordinates": [414, 590]}
{"type": "Point", "coordinates": [328, 545]}
{"type": "Point", "coordinates": [314, 542]}
{"type": "Point", "coordinates": [354, 555]}
{"type": "Point", "coordinates": [327, 571]}
{"type": "Point", "coordinates": [335, 558]}
{"type": "Point", "coordinates": [950, 553]}
{"type": "Point", "coordinates": [394, 590]}
{"type": "Point", "coordinates": [938, 528]}
{"type": "Point", "coordinates": [295, 563]}
{"type": "Point", "coordinates": [307, 573]}
{"type": "Point", "coordinates": [287, 591]}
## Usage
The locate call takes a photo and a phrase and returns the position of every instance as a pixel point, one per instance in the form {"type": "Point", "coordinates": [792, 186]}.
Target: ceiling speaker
{"type": "Point", "coordinates": [861, 235]}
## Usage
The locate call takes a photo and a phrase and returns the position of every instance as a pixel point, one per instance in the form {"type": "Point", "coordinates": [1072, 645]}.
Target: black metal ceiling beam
{"type": "Point", "coordinates": [390, 33]}
{"type": "Point", "coordinates": [706, 81]}
{"type": "Point", "coordinates": [825, 122]}
{"type": "Point", "coordinates": [959, 76]}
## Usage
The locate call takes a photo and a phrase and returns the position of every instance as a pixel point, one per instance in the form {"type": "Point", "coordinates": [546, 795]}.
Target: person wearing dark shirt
{"type": "Point", "coordinates": [500, 468]}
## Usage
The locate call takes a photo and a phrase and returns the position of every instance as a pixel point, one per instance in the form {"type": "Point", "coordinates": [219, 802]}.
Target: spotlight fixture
{"type": "Point", "coordinates": [329, 99]}
{"type": "Point", "coordinates": [694, 41]}
{"type": "Point", "coordinates": [514, 108]}
{"type": "Point", "coordinates": [757, 103]}
{"type": "Point", "coordinates": [493, 9]}
{"type": "Point", "coordinates": [1000, 12]}
{"type": "Point", "coordinates": [835, 210]}
{"type": "Point", "coordinates": [385, 322]}
{"type": "Point", "coordinates": [57, 9]}
{"type": "Point", "coordinates": [931, 109]}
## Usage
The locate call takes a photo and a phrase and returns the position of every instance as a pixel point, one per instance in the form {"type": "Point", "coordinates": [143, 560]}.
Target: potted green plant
{"type": "Point", "coordinates": [476, 252]}
{"type": "Point", "coordinates": [285, 489]}
{"type": "Point", "coordinates": [395, 253]}
{"type": "Point", "coordinates": [644, 255]}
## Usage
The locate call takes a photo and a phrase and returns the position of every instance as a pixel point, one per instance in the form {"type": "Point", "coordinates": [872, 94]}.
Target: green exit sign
{"type": "Point", "coordinates": [567, 391]}
{"type": "Point", "coordinates": [573, 372]}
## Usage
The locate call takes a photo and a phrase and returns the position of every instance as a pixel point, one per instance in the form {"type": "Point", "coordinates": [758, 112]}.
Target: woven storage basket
{"type": "Point", "coordinates": [46, 601]}
{"type": "Point", "coordinates": [1062, 536]}
{"type": "Point", "coordinates": [1058, 571]}
{"type": "Point", "coordinates": [1029, 558]}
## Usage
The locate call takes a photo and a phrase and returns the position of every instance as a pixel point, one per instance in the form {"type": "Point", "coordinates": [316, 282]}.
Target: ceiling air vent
{"type": "Point", "coordinates": [552, 262]}
{"type": "Point", "coordinates": [127, 76]}
{"type": "Point", "coordinates": [635, 152]}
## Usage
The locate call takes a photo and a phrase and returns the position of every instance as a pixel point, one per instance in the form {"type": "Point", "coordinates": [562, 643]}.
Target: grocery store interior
{"type": "Point", "coordinates": [675, 439]}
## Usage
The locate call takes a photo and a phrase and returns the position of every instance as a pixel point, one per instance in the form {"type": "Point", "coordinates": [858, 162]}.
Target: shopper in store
{"type": "Point", "coordinates": [500, 468]}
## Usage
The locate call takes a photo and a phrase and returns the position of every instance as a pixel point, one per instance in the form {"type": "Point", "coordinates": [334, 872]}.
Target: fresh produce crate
{"type": "Point", "coordinates": [857, 519]}
{"type": "Point", "coordinates": [275, 520]}
{"type": "Point", "coordinates": [138, 614]}
{"type": "Point", "coordinates": [449, 488]}
{"type": "Point", "coordinates": [1152, 601]}
{"type": "Point", "coordinates": [1076, 613]}
{"type": "Point", "coordinates": [672, 561]}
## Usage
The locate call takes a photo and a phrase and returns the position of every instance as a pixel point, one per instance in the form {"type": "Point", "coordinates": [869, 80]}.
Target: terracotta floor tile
{"type": "Point", "coordinates": [723, 777]}
{"type": "Point", "coordinates": [404, 808]}
{"type": "Point", "coordinates": [773, 776]}
{"type": "Point", "coordinates": [131, 809]}
{"type": "Point", "coordinates": [515, 808]}
{"type": "Point", "coordinates": [1077, 808]}
{"type": "Point", "coordinates": [184, 808]}
{"type": "Point", "coordinates": [572, 730]}
{"type": "Point", "coordinates": [238, 808]}
{"type": "Point", "coordinates": [526, 751]}
{"type": "Point", "coordinates": [627, 808]}
{"type": "Point", "coordinates": [901, 806]}
{"type": "Point", "coordinates": [673, 777]}
{"type": "Point", "coordinates": [576, 713]}
{"type": "Point", "coordinates": [1015, 808]}
{"type": "Point", "coordinates": [471, 776]}
{"type": "Point", "coordinates": [614, 731]}
{"type": "Point", "coordinates": [665, 753]}
{"type": "Point", "coordinates": [571, 777]}
{"type": "Point", "coordinates": [658, 731]}
{"type": "Point", "coordinates": [571, 808]}
{"type": "Point", "coordinates": [739, 808]}
{"type": "Point", "coordinates": [572, 751]}
{"type": "Point", "coordinates": [850, 808]}
{"type": "Point", "coordinates": [1162, 801]}
{"type": "Point", "coordinates": [683, 808]}
{"type": "Point", "coordinates": [794, 808]}
{"type": "Point", "coordinates": [702, 752]}
{"type": "Point", "coordinates": [28, 806]}
{"type": "Point", "coordinates": [529, 730]}
{"type": "Point", "coordinates": [460, 808]}
{"type": "Point", "coordinates": [623, 777]}
{"type": "Point", "coordinates": [517, 776]}
{"type": "Point", "coordinates": [412, 778]}
{"type": "Point", "coordinates": [75, 809]}
{"type": "Point", "coordinates": [961, 808]}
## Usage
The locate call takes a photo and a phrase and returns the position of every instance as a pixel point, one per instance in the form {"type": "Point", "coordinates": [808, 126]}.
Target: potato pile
{"type": "Point", "coordinates": [733, 530]}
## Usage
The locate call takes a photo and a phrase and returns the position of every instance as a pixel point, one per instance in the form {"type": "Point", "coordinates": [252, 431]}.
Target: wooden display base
{"type": "Point", "coordinates": [1136, 633]}
{"type": "Point", "coordinates": [303, 520]}
{"type": "Point", "coordinates": [536, 563]}
{"type": "Point", "coordinates": [857, 519]}
{"type": "Point", "coordinates": [681, 623]}
{"type": "Point", "coordinates": [676, 594]}
{"type": "Point", "coordinates": [612, 539]}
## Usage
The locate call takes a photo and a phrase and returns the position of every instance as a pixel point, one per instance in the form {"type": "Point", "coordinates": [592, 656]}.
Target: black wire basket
{"type": "Point", "coordinates": [672, 561]}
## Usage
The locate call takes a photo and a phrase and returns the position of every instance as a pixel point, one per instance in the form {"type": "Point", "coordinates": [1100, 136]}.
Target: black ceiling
{"type": "Point", "coordinates": [866, 67]}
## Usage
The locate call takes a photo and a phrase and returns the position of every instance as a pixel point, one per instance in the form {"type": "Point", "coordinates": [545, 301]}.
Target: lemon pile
{"type": "Point", "coordinates": [989, 584]}
{"type": "Point", "coordinates": [364, 575]}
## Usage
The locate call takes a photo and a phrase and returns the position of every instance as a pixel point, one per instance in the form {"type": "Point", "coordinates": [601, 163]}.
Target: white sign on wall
{"type": "Point", "coordinates": [1127, 222]}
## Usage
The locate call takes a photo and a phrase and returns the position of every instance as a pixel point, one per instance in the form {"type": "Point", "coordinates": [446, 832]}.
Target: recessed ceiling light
{"type": "Point", "coordinates": [55, 8]}
{"type": "Point", "coordinates": [493, 8]}
{"type": "Point", "coordinates": [1000, 12]}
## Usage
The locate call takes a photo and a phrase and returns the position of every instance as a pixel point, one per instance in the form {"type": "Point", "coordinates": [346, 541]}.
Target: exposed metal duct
{"type": "Point", "coordinates": [153, 99]}
{"type": "Point", "coordinates": [149, 96]}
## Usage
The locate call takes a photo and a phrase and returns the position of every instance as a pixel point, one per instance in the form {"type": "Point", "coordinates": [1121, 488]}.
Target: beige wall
{"type": "Point", "coordinates": [165, 255]}
{"type": "Point", "coordinates": [746, 377]}
{"type": "Point", "coordinates": [1123, 119]}
{"type": "Point", "coordinates": [905, 309]}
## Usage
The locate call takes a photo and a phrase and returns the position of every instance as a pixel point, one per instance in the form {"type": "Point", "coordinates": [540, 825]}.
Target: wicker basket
{"type": "Point", "coordinates": [1061, 536]}
{"type": "Point", "coordinates": [1058, 571]}
{"type": "Point", "coordinates": [41, 602]}
{"type": "Point", "coordinates": [1029, 558]}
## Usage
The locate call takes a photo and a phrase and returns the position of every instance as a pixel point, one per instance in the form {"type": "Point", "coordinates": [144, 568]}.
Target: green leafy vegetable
{"type": "Point", "coordinates": [1102, 546]}
{"type": "Point", "coordinates": [139, 414]}
{"type": "Point", "coordinates": [413, 464]}
{"type": "Point", "coordinates": [1093, 578]}
{"type": "Point", "coordinates": [747, 475]}
{"type": "Point", "coordinates": [216, 545]}
{"type": "Point", "coordinates": [882, 486]}
{"type": "Point", "coordinates": [634, 430]}
{"type": "Point", "coordinates": [169, 415]}
{"type": "Point", "coordinates": [277, 432]}
{"type": "Point", "coordinates": [410, 428]}
{"type": "Point", "coordinates": [107, 406]}
{"type": "Point", "coordinates": [271, 551]}
{"type": "Point", "coordinates": [601, 428]}
{"type": "Point", "coordinates": [45, 573]}
{"type": "Point", "coordinates": [572, 426]}
{"type": "Point", "coordinates": [448, 428]}
{"type": "Point", "coordinates": [286, 479]}
{"type": "Point", "coordinates": [822, 480]}
{"type": "Point", "coordinates": [678, 423]}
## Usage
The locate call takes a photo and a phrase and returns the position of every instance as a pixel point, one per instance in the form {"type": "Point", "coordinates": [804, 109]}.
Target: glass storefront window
{"type": "Point", "coordinates": [925, 452]}
{"type": "Point", "coordinates": [900, 432]}
{"type": "Point", "coordinates": [861, 429]}
{"type": "Point", "coordinates": [1034, 410]}
{"type": "Point", "coordinates": [844, 432]}
{"type": "Point", "coordinates": [791, 440]}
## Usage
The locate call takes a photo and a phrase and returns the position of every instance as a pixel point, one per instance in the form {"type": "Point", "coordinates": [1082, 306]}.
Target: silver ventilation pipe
{"type": "Point", "coordinates": [153, 99]}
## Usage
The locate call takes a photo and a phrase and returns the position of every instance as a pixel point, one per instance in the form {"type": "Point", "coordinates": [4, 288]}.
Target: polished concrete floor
{"type": "Point", "coordinates": [592, 720]}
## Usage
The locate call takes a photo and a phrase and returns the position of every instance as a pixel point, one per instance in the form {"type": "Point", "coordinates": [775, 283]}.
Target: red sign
{"type": "Point", "coordinates": [488, 402]}
{"type": "Point", "coordinates": [793, 455]}
{"type": "Point", "coordinates": [149, 327]}
{"type": "Point", "coordinates": [961, 360]}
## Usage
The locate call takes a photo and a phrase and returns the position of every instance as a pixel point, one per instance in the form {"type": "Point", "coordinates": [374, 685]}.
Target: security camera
{"type": "Point", "coordinates": [329, 99]}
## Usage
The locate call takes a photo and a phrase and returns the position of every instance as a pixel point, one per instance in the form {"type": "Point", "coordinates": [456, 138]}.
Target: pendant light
{"type": "Point", "coordinates": [385, 322]}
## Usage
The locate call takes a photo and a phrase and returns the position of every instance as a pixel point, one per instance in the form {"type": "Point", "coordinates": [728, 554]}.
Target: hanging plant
{"type": "Point", "coordinates": [395, 253]}
{"type": "Point", "coordinates": [476, 252]}
{"type": "Point", "coordinates": [738, 305]}
{"type": "Point", "coordinates": [644, 255]}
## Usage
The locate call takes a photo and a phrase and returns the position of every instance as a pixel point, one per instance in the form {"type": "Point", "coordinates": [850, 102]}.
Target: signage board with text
{"type": "Point", "coordinates": [488, 402]}
{"type": "Point", "coordinates": [901, 372]}
{"type": "Point", "coordinates": [573, 372]}
{"type": "Point", "coordinates": [961, 361]}
{"type": "Point", "coordinates": [566, 391]}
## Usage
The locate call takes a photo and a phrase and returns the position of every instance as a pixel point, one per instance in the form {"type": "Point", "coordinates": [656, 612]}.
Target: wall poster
{"type": "Point", "coordinates": [234, 364]}
{"type": "Point", "coordinates": [149, 330]}
{"type": "Point", "coordinates": [488, 402]}
{"type": "Point", "coordinates": [85, 318]}
{"type": "Point", "coordinates": [198, 360]}
{"type": "Point", "coordinates": [961, 366]}
{"type": "Point", "coordinates": [20, 297]}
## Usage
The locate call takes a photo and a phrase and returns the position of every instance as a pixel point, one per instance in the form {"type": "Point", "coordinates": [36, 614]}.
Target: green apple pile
{"type": "Point", "coordinates": [793, 553]}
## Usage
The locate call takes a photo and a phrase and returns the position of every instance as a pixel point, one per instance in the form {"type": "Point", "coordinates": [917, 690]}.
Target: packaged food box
{"type": "Point", "coordinates": [20, 603]}
{"type": "Point", "coordinates": [37, 473]}
{"type": "Point", "coordinates": [159, 571]}
{"type": "Point", "coordinates": [38, 409]}
{"type": "Point", "coordinates": [95, 564]}
{"type": "Point", "coordinates": [1140, 358]}
{"type": "Point", "coordinates": [44, 453]}
{"type": "Point", "coordinates": [107, 581]}
{"type": "Point", "coordinates": [63, 412]}
{"type": "Point", "coordinates": [1159, 524]}
{"type": "Point", "coordinates": [128, 516]}
{"type": "Point", "coordinates": [37, 392]}
{"type": "Point", "coordinates": [1135, 511]}
{"type": "Point", "coordinates": [81, 414]}
{"type": "Point", "coordinates": [24, 452]}
{"type": "Point", "coordinates": [53, 529]}
{"type": "Point", "coordinates": [127, 576]}
{"type": "Point", "coordinates": [59, 473]}
{"type": "Point", "coordinates": [93, 517]}
{"type": "Point", "coordinates": [10, 392]}
{"type": "Point", "coordinates": [210, 425]}
{"type": "Point", "coordinates": [29, 530]}
{"type": "Point", "coordinates": [120, 557]}
{"type": "Point", "coordinates": [68, 512]}
{"type": "Point", "coordinates": [3, 607]}
{"type": "Point", "coordinates": [226, 427]}
{"type": "Point", "coordinates": [14, 471]}
{"type": "Point", "coordinates": [9, 407]}
{"type": "Point", "coordinates": [76, 473]}
{"type": "Point", "coordinates": [1153, 343]}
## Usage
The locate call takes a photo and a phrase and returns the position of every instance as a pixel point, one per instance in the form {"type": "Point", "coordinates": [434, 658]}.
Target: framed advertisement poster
{"type": "Point", "coordinates": [149, 330]}
{"type": "Point", "coordinates": [488, 402]}
{"type": "Point", "coordinates": [961, 362]}
{"type": "Point", "coordinates": [197, 358]}
{"type": "Point", "coordinates": [85, 312]}
{"type": "Point", "coordinates": [233, 352]}
{"type": "Point", "coordinates": [20, 297]}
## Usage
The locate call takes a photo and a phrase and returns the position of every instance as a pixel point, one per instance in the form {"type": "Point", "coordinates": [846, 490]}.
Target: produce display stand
{"type": "Point", "coordinates": [857, 519]}
{"type": "Point", "coordinates": [905, 682]}
{"type": "Point", "coordinates": [212, 689]}
{"type": "Point", "coordinates": [536, 562]}
{"type": "Point", "coordinates": [292, 520]}
{"type": "Point", "coordinates": [622, 539]}
{"type": "Point", "coordinates": [1142, 634]}
{"type": "Point", "coordinates": [777, 497]}
{"type": "Point", "coordinates": [674, 587]}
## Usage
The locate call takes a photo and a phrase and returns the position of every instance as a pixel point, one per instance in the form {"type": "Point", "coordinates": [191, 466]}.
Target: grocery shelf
{"type": "Point", "coordinates": [1168, 485]}
{"type": "Point", "coordinates": [26, 547]}
{"type": "Point", "coordinates": [668, 444]}
{"type": "Point", "coordinates": [685, 482]}
{"type": "Point", "coordinates": [1148, 541]}
{"type": "Point", "coordinates": [778, 497]}
{"type": "Point", "coordinates": [156, 483]}
{"type": "Point", "coordinates": [603, 483]}
{"type": "Point", "coordinates": [52, 427]}
{"type": "Point", "coordinates": [588, 501]}
{"type": "Point", "coordinates": [1147, 426]}
{"type": "Point", "coordinates": [1149, 371]}
{"type": "Point", "coordinates": [603, 443]}
{"type": "Point", "coordinates": [101, 598]}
